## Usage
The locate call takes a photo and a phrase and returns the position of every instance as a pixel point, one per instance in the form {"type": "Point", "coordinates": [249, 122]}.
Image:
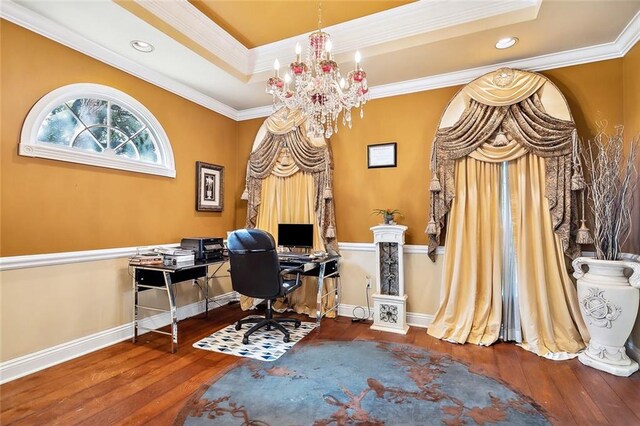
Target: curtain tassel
{"type": "Point", "coordinates": [245, 194]}
{"type": "Point", "coordinates": [431, 228]}
{"type": "Point", "coordinates": [331, 232]}
{"type": "Point", "coordinates": [577, 182]}
{"type": "Point", "coordinates": [435, 186]}
{"type": "Point", "coordinates": [584, 235]}
{"type": "Point", "coordinates": [327, 193]}
{"type": "Point", "coordinates": [285, 159]}
{"type": "Point", "coordinates": [501, 139]}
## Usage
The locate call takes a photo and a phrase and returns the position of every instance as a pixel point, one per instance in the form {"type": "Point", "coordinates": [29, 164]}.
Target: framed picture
{"type": "Point", "coordinates": [382, 155]}
{"type": "Point", "coordinates": [209, 187]}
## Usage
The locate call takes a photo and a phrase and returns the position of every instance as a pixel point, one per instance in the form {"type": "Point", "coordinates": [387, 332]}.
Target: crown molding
{"type": "Point", "coordinates": [35, 22]}
{"type": "Point", "coordinates": [188, 20]}
{"type": "Point", "coordinates": [613, 50]}
{"type": "Point", "coordinates": [400, 22]}
{"type": "Point", "coordinates": [28, 19]}
{"type": "Point", "coordinates": [629, 36]}
{"type": "Point", "coordinates": [257, 112]}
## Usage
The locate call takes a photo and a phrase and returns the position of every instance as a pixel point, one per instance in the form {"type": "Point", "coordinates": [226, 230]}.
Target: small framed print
{"type": "Point", "coordinates": [382, 155]}
{"type": "Point", "coordinates": [209, 187]}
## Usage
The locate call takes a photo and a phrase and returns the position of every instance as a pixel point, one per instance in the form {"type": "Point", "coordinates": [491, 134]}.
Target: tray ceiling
{"type": "Point", "coordinates": [219, 53]}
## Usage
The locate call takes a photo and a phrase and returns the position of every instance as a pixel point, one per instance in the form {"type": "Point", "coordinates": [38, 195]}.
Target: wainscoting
{"type": "Point", "coordinates": [56, 307]}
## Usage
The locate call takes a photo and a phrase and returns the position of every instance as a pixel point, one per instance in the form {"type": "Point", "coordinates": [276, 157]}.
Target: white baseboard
{"type": "Point", "coordinates": [413, 319]}
{"type": "Point", "coordinates": [31, 363]}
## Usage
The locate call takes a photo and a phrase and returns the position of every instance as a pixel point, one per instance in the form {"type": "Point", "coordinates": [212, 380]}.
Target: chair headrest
{"type": "Point", "coordinates": [250, 240]}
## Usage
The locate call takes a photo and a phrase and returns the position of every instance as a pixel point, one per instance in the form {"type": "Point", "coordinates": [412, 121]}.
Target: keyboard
{"type": "Point", "coordinates": [285, 255]}
{"type": "Point", "coordinates": [292, 257]}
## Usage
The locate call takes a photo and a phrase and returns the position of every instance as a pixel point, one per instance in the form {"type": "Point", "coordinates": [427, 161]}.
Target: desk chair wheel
{"type": "Point", "coordinates": [296, 324]}
{"type": "Point", "coordinates": [238, 326]}
{"type": "Point", "coordinates": [245, 340]}
{"type": "Point", "coordinates": [286, 338]}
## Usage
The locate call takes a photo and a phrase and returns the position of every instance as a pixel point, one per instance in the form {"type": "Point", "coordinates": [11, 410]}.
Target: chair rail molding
{"type": "Point", "coordinates": [63, 258]}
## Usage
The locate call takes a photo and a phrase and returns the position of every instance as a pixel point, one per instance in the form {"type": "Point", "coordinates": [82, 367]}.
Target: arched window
{"type": "Point", "coordinates": [97, 125]}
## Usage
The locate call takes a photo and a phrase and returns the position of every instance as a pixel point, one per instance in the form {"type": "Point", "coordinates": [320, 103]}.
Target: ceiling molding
{"type": "Point", "coordinates": [630, 35]}
{"type": "Point", "coordinates": [397, 23]}
{"type": "Point", "coordinates": [32, 21]}
{"type": "Point", "coordinates": [28, 19]}
{"type": "Point", "coordinates": [613, 50]}
{"type": "Point", "coordinates": [185, 18]}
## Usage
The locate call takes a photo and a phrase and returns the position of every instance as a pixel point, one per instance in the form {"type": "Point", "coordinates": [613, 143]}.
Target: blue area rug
{"type": "Point", "coordinates": [359, 382]}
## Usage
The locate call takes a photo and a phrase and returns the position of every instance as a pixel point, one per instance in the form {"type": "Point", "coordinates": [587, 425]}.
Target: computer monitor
{"type": "Point", "coordinates": [295, 235]}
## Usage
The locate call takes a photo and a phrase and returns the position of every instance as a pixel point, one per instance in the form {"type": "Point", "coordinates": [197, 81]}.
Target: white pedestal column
{"type": "Point", "coordinates": [389, 300]}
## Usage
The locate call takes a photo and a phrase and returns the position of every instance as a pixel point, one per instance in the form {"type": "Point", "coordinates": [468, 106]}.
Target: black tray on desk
{"type": "Point", "coordinates": [155, 277]}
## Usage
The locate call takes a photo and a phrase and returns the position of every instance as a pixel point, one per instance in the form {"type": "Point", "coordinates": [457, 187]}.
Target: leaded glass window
{"type": "Point", "coordinates": [97, 125]}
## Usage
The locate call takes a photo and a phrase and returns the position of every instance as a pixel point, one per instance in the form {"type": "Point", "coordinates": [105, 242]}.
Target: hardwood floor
{"type": "Point", "coordinates": [143, 383]}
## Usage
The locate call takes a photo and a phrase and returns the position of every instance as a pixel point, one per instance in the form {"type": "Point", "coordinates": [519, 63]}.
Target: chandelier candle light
{"type": "Point", "coordinates": [319, 90]}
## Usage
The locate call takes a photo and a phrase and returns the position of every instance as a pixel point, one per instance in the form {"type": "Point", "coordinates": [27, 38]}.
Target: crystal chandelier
{"type": "Point", "coordinates": [319, 91]}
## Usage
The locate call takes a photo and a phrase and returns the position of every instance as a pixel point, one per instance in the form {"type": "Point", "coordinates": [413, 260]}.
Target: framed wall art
{"type": "Point", "coordinates": [382, 155]}
{"type": "Point", "coordinates": [209, 187]}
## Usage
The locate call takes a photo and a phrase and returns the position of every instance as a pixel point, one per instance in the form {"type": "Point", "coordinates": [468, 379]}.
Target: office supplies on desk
{"type": "Point", "coordinates": [146, 259]}
{"type": "Point", "coordinates": [179, 259]}
{"type": "Point", "coordinates": [209, 248]}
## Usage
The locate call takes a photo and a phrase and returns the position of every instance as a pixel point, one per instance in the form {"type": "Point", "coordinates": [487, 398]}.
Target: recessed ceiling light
{"type": "Point", "coordinates": [506, 43]}
{"type": "Point", "coordinates": [142, 46]}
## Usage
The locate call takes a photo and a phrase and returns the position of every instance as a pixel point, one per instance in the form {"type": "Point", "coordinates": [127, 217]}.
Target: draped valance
{"type": "Point", "coordinates": [504, 110]}
{"type": "Point", "coordinates": [284, 150]}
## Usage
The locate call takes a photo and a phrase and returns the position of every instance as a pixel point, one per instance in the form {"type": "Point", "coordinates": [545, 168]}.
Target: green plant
{"type": "Point", "coordinates": [389, 215]}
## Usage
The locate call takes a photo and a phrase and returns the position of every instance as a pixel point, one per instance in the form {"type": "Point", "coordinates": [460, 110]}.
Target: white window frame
{"type": "Point", "coordinates": [30, 147]}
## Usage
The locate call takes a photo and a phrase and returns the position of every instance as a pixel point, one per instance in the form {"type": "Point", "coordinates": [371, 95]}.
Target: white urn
{"type": "Point", "coordinates": [608, 297]}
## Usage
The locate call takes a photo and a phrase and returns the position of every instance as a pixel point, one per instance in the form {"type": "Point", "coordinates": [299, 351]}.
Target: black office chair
{"type": "Point", "coordinates": [255, 272]}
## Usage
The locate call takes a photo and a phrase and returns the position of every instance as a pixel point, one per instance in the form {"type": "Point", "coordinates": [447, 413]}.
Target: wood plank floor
{"type": "Point", "coordinates": [143, 383]}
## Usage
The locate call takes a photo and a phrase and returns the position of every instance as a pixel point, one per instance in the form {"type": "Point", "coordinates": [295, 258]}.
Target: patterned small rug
{"type": "Point", "coordinates": [263, 345]}
{"type": "Point", "coordinates": [358, 383]}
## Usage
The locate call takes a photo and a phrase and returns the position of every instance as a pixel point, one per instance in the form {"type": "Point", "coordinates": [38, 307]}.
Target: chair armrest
{"type": "Point", "coordinates": [297, 270]}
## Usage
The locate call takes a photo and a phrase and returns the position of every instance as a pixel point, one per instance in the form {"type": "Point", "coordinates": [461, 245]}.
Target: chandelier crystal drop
{"type": "Point", "coordinates": [316, 87]}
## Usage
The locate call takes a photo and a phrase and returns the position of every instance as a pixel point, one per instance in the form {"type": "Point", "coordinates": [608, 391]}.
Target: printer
{"type": "Point", "coordinates": [207, 248]}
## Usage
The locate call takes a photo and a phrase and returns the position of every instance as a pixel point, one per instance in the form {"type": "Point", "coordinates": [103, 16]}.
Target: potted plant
{"type": "Point", "coordinates": [388, 215]}
{"type": "Point", "coordinates": [608, 288]}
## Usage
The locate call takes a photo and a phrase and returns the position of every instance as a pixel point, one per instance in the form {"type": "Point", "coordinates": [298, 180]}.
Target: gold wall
{"type": "Point", "coordinates": [53, 206]}
{"type": "Point", "coordinates": [631, 100]}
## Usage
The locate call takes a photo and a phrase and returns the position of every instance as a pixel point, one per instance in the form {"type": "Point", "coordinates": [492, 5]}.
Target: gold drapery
{"type": "Point", "coordinates": [552, 325]}
{"type": "Point", "coordinates": [535, 131]}
{"type": "Point", "coordinates": [490, 89]}
{"type": "Point", "coordinates": [291, 200]}
{"type": "Point", "coordinates": [471, 303]}
{"type": "Point", "coordinates": [289, 140]}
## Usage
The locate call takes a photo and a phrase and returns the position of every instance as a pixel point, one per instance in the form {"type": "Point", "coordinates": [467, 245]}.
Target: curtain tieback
{"type": "Point", "coordinates": [435, 186]}
{"type": "Point", "coordinates": [432, 228]}
{"type": "Point", "coordinates": [328, 194]}
{"type": "Point", "coordinates": [577, 182]}
{"type": "Point", "coordinates": [584, 234]}
{"type": "Point", "coordinates": [245, 194]}
{"type": "Point", "coordinates": [331, 232]}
